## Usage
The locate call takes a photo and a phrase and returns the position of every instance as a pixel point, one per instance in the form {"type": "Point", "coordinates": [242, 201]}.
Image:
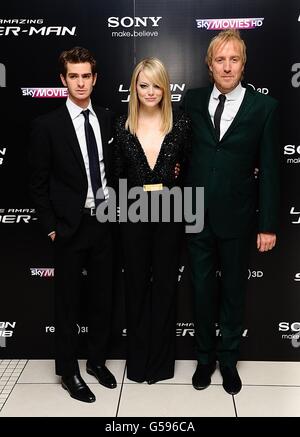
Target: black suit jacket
{"type": "Point", "coordinates": [58, 177]}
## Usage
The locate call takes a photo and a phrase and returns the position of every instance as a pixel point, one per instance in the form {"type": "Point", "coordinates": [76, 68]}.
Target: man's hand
{"type": "Point", "coordinates": [265, 241]}
{"type": "Point", "coordinates": [177, 170]}
{"type": "Point", "coordinates": [52, 235]}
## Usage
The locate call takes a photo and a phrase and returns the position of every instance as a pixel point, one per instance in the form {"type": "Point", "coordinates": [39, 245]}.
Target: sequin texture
{"type": "Point", "coordinates": [130, 161]}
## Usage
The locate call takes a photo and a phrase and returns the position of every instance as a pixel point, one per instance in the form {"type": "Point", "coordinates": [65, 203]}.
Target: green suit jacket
{"type": "Point", "coordinates": [232, 194]}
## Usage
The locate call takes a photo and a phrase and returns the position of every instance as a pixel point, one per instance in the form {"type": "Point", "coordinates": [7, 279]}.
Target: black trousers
{"type": "Point", "coordinates": [151, 258]}
{"type": "Point", "coordinates": [89, 247]}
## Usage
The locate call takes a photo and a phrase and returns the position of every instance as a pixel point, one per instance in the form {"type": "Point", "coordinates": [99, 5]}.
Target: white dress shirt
{"type": "Point", "coordinates": [78, 123]}
{"type": "Point", "coordinates": [232, 105]}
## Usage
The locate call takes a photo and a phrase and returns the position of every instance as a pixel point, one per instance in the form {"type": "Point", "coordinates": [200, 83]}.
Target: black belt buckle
{"type": "Point", "coordinates": [93, 211]}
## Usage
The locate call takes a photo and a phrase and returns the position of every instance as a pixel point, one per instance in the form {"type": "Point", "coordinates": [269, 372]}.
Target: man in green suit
{"type": "Point", "coordinates": [234, 132]}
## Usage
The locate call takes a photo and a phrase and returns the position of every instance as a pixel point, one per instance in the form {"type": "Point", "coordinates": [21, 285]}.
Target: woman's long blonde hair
{"type": "Point", "coordinates": [157, 73]}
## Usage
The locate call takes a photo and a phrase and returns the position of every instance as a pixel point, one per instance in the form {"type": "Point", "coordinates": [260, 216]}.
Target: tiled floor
{"type": "Point", "coordinates": [31, 389]}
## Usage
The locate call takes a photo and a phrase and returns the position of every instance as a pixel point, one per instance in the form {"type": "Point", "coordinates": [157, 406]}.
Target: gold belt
{"type": "Point", "coordinates": [153, 187]}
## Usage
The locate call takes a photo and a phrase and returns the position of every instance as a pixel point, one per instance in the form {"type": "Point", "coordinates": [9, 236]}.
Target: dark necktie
{"type": "Point", "coordinates": [93, 155]}
{"type": "Point", "coordinates": [218, 113]}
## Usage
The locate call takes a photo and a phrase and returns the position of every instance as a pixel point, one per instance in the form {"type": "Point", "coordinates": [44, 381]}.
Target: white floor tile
{"type": "Point", "coordinates": [43, 371]}
{"type": "Point", "coordinates": [174, 401]}
{"type": "Point", "coordinates": [268, 402]}
{"type": "Point", "coordinates": [39, 371]}
{"type": "Point", "coordinates": [51, 400]}
{"type": "Point", "coordinates": [269, 373]}
{"type": "Point", "coordinates": [270, 389]}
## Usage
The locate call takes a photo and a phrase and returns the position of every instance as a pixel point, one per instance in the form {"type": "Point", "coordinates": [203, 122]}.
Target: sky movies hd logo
{"type": "Point", "coordinates": [229, 23]}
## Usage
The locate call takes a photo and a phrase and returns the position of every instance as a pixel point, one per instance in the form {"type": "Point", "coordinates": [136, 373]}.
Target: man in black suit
{"type": "Point", "coordinates": [70, 158]}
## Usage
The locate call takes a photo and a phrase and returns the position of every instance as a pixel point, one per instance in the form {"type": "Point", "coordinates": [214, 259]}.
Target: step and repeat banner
{"type": "Point", "coordinates": [120, 33]}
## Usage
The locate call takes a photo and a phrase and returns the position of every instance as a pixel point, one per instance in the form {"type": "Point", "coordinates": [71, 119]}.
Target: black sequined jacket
{"type": "Point", "coordinates": [130, 161]}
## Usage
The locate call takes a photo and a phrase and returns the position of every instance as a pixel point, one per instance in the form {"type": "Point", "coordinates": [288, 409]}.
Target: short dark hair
{"type": "Point", "coordinates": [76, 55]}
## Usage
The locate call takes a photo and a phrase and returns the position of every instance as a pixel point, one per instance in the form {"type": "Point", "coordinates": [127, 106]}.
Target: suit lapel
{"type": "Point", "coordinates": [243, 109]}
{"type": "Point", "coordinates": [68, 128]}
{"type": "Point", "coordinates": [104, 134]}
{"type": "Point", "coordinates": [206, 115]}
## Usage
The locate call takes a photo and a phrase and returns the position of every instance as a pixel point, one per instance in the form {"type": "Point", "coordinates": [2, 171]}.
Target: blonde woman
{"type": "Point", "coordinates": [149, 142]}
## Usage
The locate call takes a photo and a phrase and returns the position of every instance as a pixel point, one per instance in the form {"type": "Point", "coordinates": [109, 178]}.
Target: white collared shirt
{"type": "Point", "coordinates": [77, 117]}
{"type": "Point", "coordinates": [232, 105]}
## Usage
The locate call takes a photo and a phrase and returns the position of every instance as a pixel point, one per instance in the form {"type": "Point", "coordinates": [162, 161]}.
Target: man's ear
{"type": "Point", "coordinates": [95, 78]}
{"type": "Point", "coordinates": [63, 80]}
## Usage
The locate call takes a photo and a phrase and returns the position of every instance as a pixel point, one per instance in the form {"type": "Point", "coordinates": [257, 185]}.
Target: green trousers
{"type": "Point", "coordinates": [218, 299]}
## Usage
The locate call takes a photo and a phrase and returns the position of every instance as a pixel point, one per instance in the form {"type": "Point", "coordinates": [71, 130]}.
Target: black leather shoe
{"type": "Point", "coordinates": [202, 376]}
{"type": "Point", "coordinates": [102, 374]}
{"type": "Point", "coordinates": [232, 383]}
{"type": "Point", "coordinates": [77, 388]}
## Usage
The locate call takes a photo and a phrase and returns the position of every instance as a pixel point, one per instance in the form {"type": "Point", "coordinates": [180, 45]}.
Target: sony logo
{"type": "Point", "coordinates": [291, 149]}
{"type": "Point", "coordinates": [133, 21]}
{"type": "Point", "coordinates": [286, 326]}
